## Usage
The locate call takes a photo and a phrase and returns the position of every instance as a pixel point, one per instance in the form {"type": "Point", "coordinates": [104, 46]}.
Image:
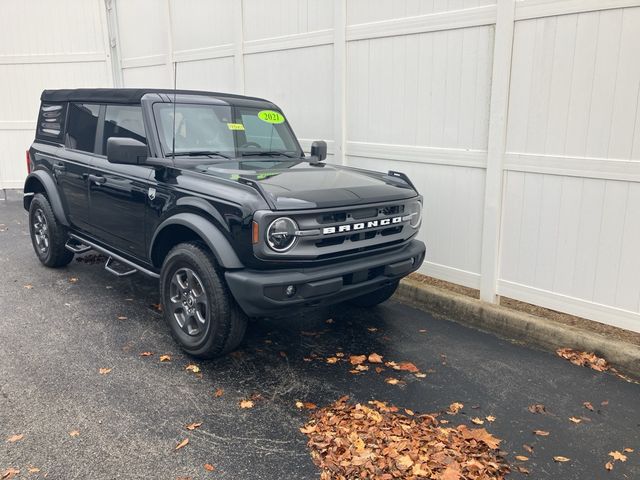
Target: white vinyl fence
{"type": "Point", "coordinates": [518, 121]}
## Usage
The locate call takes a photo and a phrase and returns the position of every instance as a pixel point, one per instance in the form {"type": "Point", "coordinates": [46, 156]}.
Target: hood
{"type": "Point", "coordinates": [294, 184]}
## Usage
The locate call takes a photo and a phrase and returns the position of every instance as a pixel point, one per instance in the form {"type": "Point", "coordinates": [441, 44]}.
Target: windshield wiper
{"type": "Point", "coordinates": [199, 153]}
{"type": "Point", "coordinates": [269, 153]}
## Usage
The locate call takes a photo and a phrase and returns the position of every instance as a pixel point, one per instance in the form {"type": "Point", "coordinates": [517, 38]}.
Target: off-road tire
{"type": "Point", "coordinates": [376, 297]}
{"type": "Point", "coordinates": [225, 323]}
{"type": "Point", "coordinates": [42, 222]}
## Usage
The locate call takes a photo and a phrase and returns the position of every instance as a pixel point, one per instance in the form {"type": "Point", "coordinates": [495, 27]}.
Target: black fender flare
{"type": "Point", "coordinates": [43, 177]}
{"type": "Point", "coordinates": [210, 234]}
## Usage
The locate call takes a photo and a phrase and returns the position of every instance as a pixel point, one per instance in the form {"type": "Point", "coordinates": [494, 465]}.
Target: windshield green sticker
{"type": "Point", "coordinates": [235, 126]}
{"type": "Point", "coordinates": [271, 116]}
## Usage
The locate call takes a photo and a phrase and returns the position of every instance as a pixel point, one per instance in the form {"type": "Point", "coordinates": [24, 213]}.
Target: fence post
{"type": "Point", "coordinates": [496, 146]}
{"type": "Point", "coordinates": [339, 79]}
{"type": "Point", "coordinates": [238, 44]}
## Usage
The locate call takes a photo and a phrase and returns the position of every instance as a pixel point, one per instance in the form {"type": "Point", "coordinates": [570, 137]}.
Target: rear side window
{"type": "Point", "coordinates": [82, 124]}
{"type": "Point", "coordinates": [123, 121]}
{"type": "Point", "coordinates": [51, 121]}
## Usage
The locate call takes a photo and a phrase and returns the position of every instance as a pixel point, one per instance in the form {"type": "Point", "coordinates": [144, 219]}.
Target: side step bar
{"type": "Point", "coordinates": [84, 245]}
{"type": "Point", "coordinates": [75, 246]}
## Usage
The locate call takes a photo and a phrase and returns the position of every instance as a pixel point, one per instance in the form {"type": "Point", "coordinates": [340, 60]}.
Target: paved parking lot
{"type": "Point", "coordinates": [58, 328]}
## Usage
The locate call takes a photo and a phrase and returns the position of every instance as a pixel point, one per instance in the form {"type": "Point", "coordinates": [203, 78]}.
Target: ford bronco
{"type": "Point", "coordinates": [213, 195]}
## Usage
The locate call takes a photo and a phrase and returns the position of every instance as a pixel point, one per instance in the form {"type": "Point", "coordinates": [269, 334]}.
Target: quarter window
{"type": "Point", "coordinates": [82, 126]}
{"type": "Point", "coordinates": [123, 121]}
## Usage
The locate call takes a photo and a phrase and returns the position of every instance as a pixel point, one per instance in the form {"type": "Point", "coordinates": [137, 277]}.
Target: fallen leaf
{"type": "Point", "coordinates": [219, 392]}
{"type": "Point", "coordinates": [73, 280]}
{"type": "Point", "coordinates": [357, 359]}
{"type": "Point", "coordinates": [28, 286]}
{"type": "Point", "coordinates": [10, 473]}
{"type": "Point", "coordinates": [104, 371]}
{"type": "Point", "coordinates": [628, 450]}
{"type": "Point", "coordinates": [372, 329]}
{"type": "Point", "coordinates": [404, 462]}
{"type": "Point", "coordinates": [332, 360]}
{"type": "Point", "coordinates": [122, 318]}
{"type": "Point", "coordinates": [541, 433]}
{"type": "Point", "coordinates": [246, 404]}
{"type": "Point", "coordinates": [528, 448]}
{"type": "Point", "coordinates": [561, 459]}
{"type": "Point", "coordinates": [33, 470]}
{"type": "Point", "coordinates": [537, 408]}
{"type": "Point", "coordinates": [193, 426]}
{"type": "Point", "coordinates": [165, 358]}
{"type": "Point", "coordinates": [208, 467]}
{"type": "Point", "coordinates": [157, 307]}
{"type": "Point", "coordinates": [420, 375]}
{"type": "Point", "coordinates": [310, 406]}
{"type": "Point", "coordinates": [477, 421]}
{"type": "Point", "coordinates": [575, 419]}
{"type": "Point", "coordinates": [490, 418]}
{"type": "Point", "coordinates": [15, 438]}
{"type": "Point", "coordinates": [182, 444]}
{"type": "Point", "coordinates": [340, 354]}
{"type": "Point", "coordinates": [392, 380]}
{"type": "Point", "coordinates": [522, 458]}
{"type": "Point", "coordinates": [522, 469]}
{"type": "Point", "coordinates": [584, 359]}
{"type": "Point", "coordinates": [604, 403]}
{"type": "Point", "coordinates": [374, 358]}
{"type": "Point", "coordinates": [74, 433]}
{"type": "Point", "coordinates": [329, 321]}
{"type": "Point", "coordinates": [362, 368]}
{"type": "Point", "coordinates": [608, 466]}
{"type": "Point", "coordinates": [146, 354]}
{"type": "Point", "coordinates": [379, 369]}
{"type": "Point", "coordinates": [192, 368]}
{"type": "Point", "coordinates": [408, 367]}
{"type": "Point", "coordinates": [588, 406]}
{"type": "Point", "coordinates": [455, 407]}
{"type": "Point", "coordinates": [618, 456]}
{"type": "Point", "coordinates": [422, 330]}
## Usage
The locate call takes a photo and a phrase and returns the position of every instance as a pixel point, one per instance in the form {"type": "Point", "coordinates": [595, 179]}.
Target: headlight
{"type": "Point", "coordinates": [413, 213]}
{"type": "Point", "coordinates": [281, 234]}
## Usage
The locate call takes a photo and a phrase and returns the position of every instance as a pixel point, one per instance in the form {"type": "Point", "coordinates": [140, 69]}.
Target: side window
{"type": "Point", "coordinates": [123, 121]}
{"type": "Point", "coordinates": [51, 121]}
{"type": "Point", "coordinates": [81, 126]}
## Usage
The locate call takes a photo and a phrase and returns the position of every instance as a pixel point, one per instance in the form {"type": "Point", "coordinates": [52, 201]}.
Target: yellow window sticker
{"type": "Point", "coordinates": [235, 126]}
{"type": "Point", "coordinates": [271, 116]}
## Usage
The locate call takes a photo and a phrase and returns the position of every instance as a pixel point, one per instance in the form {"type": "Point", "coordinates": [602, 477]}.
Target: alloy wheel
{"type": "Point", "coordinates": [189, 304]}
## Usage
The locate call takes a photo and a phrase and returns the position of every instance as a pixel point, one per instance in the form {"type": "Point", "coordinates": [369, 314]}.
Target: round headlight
{"type": "Point", "coordinates": [281, 234]}
{"type": "Point", "coordinates": [414, 212]}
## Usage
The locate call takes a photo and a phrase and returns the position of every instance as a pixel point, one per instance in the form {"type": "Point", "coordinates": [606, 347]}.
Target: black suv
{"type": "Point", "coordinates": [212, 194]}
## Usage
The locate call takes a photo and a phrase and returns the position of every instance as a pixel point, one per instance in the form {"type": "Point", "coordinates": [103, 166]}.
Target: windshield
{"type": "Point", "coordinates": [221, 130]}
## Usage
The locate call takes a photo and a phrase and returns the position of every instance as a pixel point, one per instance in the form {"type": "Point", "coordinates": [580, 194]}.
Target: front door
{"type": "Point", "coordinates": [118, 194]}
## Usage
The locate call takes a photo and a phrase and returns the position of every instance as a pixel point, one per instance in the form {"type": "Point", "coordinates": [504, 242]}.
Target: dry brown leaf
{"type": "Point", "coordinates": [588, 406]}
{"type": "Point", "coordinates": [455, 407]}
{"type": "Point", "coordinates": [182, 444]}
{"type": "Point", "coordinates": [423, 330]}
{"type": "Point", "coordinates": [374, 358]}
{"type": "Point", "coordinates": [246, 404]}
{"type": "Point", "coordinates": [618, 456]}
{"type": "Point", "coordinates": [357, 359]}
{"type": "Point", "coordinates": [522, 458]}
{"type": "Point", "coordinates": [192, 368]}
{"type": "Point", "coordinates": [165, 358]}
{"type": "Point", "coordinates": [561, 459]}
{"type": "Point", "coordinates": [490, 418]}
{"type": "Point", "coordinates": [15, 438]}
{"type": "Point", "coordinates": [537, 408]}
{"type": "Point", "coordinates": [28, 286]}
{"type": "Point", "coordinates": [584, 359]}
{"type": "Point", "coordinates": [73, 280]}
{"type": "Point", "coordinates": [575, 419]}
{"type": "Point", "coordinates": [33, 470]}
{"type": "Point", "coordinates": [420, 375]}
{"type": "Point", "coordinates": [404, 462]}
{"type": "Point", "coordinates": [372, 329]}
{"type": "Point", "coordinates": [522, 469]}
{"type": "Point", "coordinates": [104, 371]}
{"type": "Point", "coordinates": [332, 360]}
{"type": "Point", "coordinates": [477, 421]}
{"type": "Point", "coordinates": [608, 466]}
{"type": "Point", "coordinates": [392, 381]}
{"type": "Point", "coordinates": [541, 433]}
{"type": "Point", "coordinates": [362, 368]}
{"type": "Point", "coordinates": [329, 321]}
{"type": "Point", "coordinates": [408, 367]}
{"type": "Point", "coordinates": [146, 354]}
{"type": "Point", "coordinates": [74, 433]}
{"type": "Point", "coordinates": [528, 448]}
{"type": "Point", "coordinates": [193, 426]}
{"type": "Point", "coordinates": [219, 392]}
{"type": "Point", "coordinates": [208, 467]}
{"type": "Point", "coordinates": [379, 369]}
{"type": "Point", "coordinates": [308, 429]}
{"type": "Point", "coordinates": [122, 318]}
{"type": "Point", "coordinates": [628, 450]}
{"type": "Point", "coordinates": [10, 473]}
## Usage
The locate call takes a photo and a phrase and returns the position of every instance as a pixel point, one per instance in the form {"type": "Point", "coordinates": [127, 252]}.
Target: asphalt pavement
{"type": "Point", "coordinates": [58, 328]}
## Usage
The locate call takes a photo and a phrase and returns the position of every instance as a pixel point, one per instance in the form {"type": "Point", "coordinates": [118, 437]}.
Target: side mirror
{"type": "Point", "coordinates": [319, 149]}
{"type": "Point", "coordinates": [127, 151]}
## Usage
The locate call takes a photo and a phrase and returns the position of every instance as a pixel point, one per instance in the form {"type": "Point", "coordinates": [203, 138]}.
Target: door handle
{"type": "Point", "coordinates": [59, 167]}
{"type": "Point", "coordinates": [97, 179]}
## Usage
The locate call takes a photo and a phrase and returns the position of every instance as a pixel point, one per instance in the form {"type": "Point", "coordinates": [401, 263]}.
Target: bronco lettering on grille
{"type": "Point", "coordinates": [351, 227]}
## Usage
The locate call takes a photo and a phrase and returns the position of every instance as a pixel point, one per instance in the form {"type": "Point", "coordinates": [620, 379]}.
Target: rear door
{"type": "Point", "coordinates": [71, 168]}
{"type": "Point", "coordinates": [118, 193]}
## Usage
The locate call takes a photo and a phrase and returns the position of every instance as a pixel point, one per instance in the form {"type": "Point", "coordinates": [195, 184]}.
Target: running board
{"type": "Point", "coordinates": [114, 257]}
{"type": "Point", "coordinates": [76, 246]}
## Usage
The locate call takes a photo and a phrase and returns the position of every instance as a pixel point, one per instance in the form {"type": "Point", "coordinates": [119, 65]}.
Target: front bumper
{"type": "Point", "coordinates": [263, 293]}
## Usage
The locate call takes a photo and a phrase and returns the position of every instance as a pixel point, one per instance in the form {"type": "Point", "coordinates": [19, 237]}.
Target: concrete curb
{"type": "Point", "coordinates": [518, 326]}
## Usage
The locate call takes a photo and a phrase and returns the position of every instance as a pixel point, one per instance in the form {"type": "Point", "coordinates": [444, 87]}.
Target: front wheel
{"type": "Point", "coordinates": [376, 297]}
{"type": "Point", "coordinates": [198, 307]}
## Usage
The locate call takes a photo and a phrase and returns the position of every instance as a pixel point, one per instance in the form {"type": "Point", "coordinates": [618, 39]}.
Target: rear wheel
{"type": "Point", "coordinates": [198, 307]}
{"type": "Point", "coordinates": [48, 236]}
{"type": "Point", "coordinates": [376, 297]}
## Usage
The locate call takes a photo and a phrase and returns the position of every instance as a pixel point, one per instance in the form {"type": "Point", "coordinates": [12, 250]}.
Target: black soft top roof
{"type": "Point", "coordinates": [133, 95]}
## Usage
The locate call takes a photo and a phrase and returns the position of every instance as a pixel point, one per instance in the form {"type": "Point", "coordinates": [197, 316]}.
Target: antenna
{"type": "Point", "coordinates": [175, 84]}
